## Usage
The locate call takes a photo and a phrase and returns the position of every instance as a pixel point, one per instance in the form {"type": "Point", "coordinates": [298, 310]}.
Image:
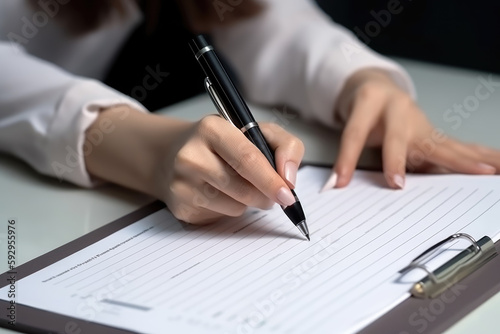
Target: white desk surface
{"type": "Point", "coordinates": [50, 213]}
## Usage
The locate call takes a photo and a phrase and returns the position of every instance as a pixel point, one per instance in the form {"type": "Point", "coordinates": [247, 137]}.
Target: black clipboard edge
{"type": "Point", "coordinates": [33, 320]}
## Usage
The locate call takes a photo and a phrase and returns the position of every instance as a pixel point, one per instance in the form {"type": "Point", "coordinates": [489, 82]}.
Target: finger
{"type": "Point", "coordinates": [288, 151]}
{"type": "Point", "coordinates": [209, 198]}
{"type": "Point", "coordinates": [212, 169]}
{"type": "Point", "coordinates": [195, 204]}
{"type": "Point", "coordinates": [203, 217]}
{"type": "Point", "coordinates": [226, 180]}
{"type": "Point", "coordinates": [246, 159]}
{"type": "Point", "coordinates": [395, 146]}
{"type": "Point", "coordinates": [366, 111]}
{"type": "Point", "coordinates": [446, 155]}
{"type": "Point", "coordinates": [481, 154]}
{"type": "Point", "coordinates": [429, 168]}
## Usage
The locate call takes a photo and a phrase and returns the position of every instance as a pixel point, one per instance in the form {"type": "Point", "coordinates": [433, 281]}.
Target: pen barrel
{"type": "Point", "coordinates": [257, 138]}
{"type": "Point", "coordinates": [232, 106]}
{"type": "Point", "coordinates": [295, 212]}
{"type": "Point", "coordinates": [228, 94]}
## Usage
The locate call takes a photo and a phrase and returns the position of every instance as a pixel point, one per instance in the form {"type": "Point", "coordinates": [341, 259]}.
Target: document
{"type": "Point", "coordinates": [257, 273]}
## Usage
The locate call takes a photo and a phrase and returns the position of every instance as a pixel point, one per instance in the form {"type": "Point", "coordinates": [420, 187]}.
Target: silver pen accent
{"type": "Point", "coordinates": [216, 100]}
{"type": "Point", "coordinates": [302, 226]}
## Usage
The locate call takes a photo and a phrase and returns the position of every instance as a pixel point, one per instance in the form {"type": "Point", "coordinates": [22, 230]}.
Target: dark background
{"type": "Point", "coordinates": [460, 33]}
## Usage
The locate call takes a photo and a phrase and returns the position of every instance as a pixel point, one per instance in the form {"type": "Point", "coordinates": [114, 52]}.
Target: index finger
{"type": "Point", "coordinates": [250, 163]}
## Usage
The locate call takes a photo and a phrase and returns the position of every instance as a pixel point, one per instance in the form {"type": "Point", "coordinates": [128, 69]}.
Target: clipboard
{"type": "Point", "coordinates": [446, 294]}
{"type": "Point", "coordinates": [34, 320]}
{"type": "Point", "coordinates": [481, 283]}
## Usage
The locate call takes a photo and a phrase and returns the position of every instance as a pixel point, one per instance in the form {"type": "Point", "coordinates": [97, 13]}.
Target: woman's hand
{"type": "Point", "coordinates": [202, 171]}
{"type": "Point", "coordinates": [212, 170]}
{"type": "Point", "coordinates": [377, 112]}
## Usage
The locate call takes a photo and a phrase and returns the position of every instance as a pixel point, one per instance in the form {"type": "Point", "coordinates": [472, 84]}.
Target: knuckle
{"type": "Point", "coordinates": [244, 193]}
{"type": "Point", "coordinates": [179, 214]}
{"type": "Point", "coordinates": [208, 123]}
{"type": "Point", "coordinates": [249, 157]}
{"type": "Point", "coordinates": [368, 91]}
{"type": "Point", "coordinates": [184, 157]}
{"type": "Point", "coordinates": [208, 128]}
{"type": "Point", "coordinates": [407, 103]}
{"type": "Point", "coordinates": [238, 211]}
{"type": "Point", "coordinates": [353, 133]}
{"type": "Point", "coordinates": [396, 137]}
{"type": "Point", "coordinates": [297, 145]}
{"type": "Point", "coordinates": [188, 159]}
{"type": "Point", "coordinates": [176, 187]}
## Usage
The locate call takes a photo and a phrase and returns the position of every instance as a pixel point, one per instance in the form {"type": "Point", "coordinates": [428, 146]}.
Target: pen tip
{"type": "Point", "coordinates": [307, 236]}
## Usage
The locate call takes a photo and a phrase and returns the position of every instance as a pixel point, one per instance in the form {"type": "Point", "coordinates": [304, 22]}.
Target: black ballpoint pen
{"type": "Point", "coordinates": [233, 108]}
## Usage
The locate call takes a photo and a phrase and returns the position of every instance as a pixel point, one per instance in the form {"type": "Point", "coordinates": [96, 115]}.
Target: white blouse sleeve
{"type": "Point", "coordinates": [45, 111]}
{"type": "Point", "coordinates": [294, 54]}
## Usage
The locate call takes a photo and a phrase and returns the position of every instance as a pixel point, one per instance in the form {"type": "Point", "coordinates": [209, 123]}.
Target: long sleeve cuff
{"type": "Point", "coordinates": [66, 144]}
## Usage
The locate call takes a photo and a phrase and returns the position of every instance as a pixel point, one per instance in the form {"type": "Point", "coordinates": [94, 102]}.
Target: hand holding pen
{"type": "Point", "coordinates": [215, 171]}
{"type": "Point", "coordinates": [202, 170]}
{"type": "Point", "coordinates": [234, 109]}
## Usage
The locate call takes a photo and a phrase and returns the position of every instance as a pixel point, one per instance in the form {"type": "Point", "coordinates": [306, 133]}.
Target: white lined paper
{"type": "Point", "coordinates": [255, 273]}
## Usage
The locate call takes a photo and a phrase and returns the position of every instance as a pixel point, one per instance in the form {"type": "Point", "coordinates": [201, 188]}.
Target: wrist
{"type": "Point", "coordinates": [131, 150]}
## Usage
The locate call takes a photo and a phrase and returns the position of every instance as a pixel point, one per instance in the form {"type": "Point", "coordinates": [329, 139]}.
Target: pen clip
{"type": "Point", "coordinates": [452, 271]}
{"type": "Point", "coordinates": [418, 261]}
{"type": "Point", "coordinates": [216, 100]}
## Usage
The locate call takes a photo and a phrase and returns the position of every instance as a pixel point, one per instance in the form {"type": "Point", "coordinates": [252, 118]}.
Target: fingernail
{"type": "Point", "coordinates": [487, 168]}
{"type": "Point", "coordinates": [332, 181]}
{"type": "Point", "coordinates": [291, 172]}
{"type": "Point", "coordinates": [285, 197]}
{"type": "Point", "coordinates": [399, 181]}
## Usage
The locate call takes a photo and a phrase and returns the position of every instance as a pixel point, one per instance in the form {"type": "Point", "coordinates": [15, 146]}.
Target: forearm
{"type": "Point", "coordinates": [303, 65]}
{"type": "Point", "coordinates": [125, 146]}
